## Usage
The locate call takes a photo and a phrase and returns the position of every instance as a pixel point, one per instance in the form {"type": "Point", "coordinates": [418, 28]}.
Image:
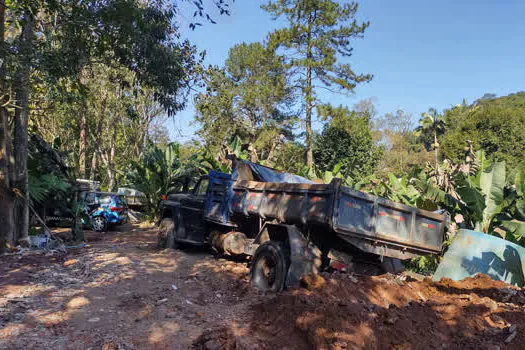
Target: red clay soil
{"type": "Point", "coordinates": [120, 292]}
{"type": "Point", "coordinates": [382, 312]}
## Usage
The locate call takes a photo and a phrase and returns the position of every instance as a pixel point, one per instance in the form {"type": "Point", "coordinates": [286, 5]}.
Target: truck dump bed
{"type": "Point", "coordinates": [373, 224]}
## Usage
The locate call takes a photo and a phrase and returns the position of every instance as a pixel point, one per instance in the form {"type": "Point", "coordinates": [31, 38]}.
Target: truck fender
{"type": "Point", "coordinates": [304, 256]}
{"type": "Point", "coordinates": [168, 209]}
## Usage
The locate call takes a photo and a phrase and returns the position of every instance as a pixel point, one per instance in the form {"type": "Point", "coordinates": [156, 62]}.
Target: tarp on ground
{"type": "Point", "coordinates": [245, 170]}
{"type": "Point", "coordinates": [474, 252]}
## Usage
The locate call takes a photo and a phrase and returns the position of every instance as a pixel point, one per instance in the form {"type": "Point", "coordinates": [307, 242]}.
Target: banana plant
{"type": "Point", "coordinates": [327, 176]}
{"type": "Point", "coordinates": [511, 218]}
{"type": "Point", "coordinates": [235, 147]}
{"type": "Point", "coordinates": [503, 203]}
{"type": "Point", "coordinates": [492, 185]}
{"type": "Point", "coordinates": [399, 189]}
{"type": "Point", "coordinates": [160, 172]}
{"type": "Point", "coordinates": [206, 161]}
{"type": "Point", "coordinates": [307, 172]}
{"type": "Point", "coordinates": [43, 186]}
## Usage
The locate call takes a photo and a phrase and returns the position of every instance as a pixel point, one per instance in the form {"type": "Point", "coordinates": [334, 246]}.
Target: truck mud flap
{"type": "Point", "coordinates": [305, 257]}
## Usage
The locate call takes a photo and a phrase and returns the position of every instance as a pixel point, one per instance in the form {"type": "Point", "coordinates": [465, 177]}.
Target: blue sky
{"type": "Point", "coordinates": [422, 53]}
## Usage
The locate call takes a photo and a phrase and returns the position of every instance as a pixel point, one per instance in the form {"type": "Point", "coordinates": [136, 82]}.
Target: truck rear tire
{"type": "Point", "coordinates": [392, 265]}
{"type": "Point", "coordinates": [166, 233]}
{"type": "Point", "coordinates": [270, 266]}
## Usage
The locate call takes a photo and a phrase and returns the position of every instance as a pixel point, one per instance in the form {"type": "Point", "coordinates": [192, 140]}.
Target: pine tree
{"type": "Point", "coordinates": [318, 34]}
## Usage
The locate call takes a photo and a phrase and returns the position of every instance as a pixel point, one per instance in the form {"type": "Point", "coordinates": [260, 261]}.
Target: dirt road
{"type": "Point", "coordinates": [120, 292]}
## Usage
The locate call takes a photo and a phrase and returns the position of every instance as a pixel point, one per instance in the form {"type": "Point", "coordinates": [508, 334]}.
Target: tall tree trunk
{"type": "Point", "coordinates": [20, 135]}
{"type": "Point", "coordinates": [110, 167]}
{"type": "Point", "coordinates": [82, 145]}
{"type": "Point", "coordinates": [111, 171]}
{"type": "Point", "coordinates": [309, 151]}
{"type": "Point", "coordinates": [308, 93]}
{"type": "Point", "coordinates": [145, 133]}
{"type": "Point", "coordinates": [6, 197]}
{"type": "Point", "coordinates": [93, 172]}
{"type": "Point", "coordinates": [144, 143]}
{"type": "Point", "coordinates": [97, 137]}
{"type": "Point", "coordinates": [272, 149]}
{"type": "Point", "coordinates": [96, 155]}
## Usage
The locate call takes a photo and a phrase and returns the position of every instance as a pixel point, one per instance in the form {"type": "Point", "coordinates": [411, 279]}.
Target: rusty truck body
{"type": "Point", "coordinates": [289, 226]}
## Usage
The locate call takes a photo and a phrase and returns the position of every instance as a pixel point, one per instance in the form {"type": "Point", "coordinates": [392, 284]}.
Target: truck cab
{"type": "Point", "coordinates": [182, 213]}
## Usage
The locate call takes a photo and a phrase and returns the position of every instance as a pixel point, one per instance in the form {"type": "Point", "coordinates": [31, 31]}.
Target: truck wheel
{"type": "Point", "coordinates": [270, 266]}
{"type": "Point", "coordinates": [99, 224]}
{"type": "Point", "coordinates": [166, 233]}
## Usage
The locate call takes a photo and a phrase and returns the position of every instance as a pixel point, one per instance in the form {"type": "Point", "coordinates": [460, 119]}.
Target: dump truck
{"type": "Point", "coordinates": [288, 226]}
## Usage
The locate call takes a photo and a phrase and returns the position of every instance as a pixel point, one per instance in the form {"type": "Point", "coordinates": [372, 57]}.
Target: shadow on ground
{"type": "Point", "coordinates": [120, 289]}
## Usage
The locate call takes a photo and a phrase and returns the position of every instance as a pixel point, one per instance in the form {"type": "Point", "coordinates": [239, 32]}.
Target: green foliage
{"type": "Point", "coordinates": [215, 110]}
{"type": "Point", "coordinates": [354, 152]}
{"type": "Point", "coordinates": [160, 172]}
{"type": "Point", "coordinates": [261, 85]}
{"type": "Point", "coordinates": [431, 126]}
{"type": "Point", "coordinates": [290, 158]}
{"type": "Point", "coordinates": [209, 162]}
{"type": "Point", "coordinates": [107, 71]}
{"type": "Point", "coordinates": [472, 199]}
{"type": "Point", "coordinates": [492, 184]}
{"type": "Point", "coordinates": [346, 142]}
{"type": "Point", "coordinates": [318, 33]}
{"type": "Point", "coordinates": [49, 180]}
{"type": "Point", "coordinates": [139, 37]}
{"type": "Point", "coordinates": [403, 149]}
{"type": "Point", "coordinates": [401, 190]}
{"type": "Point", "coordinates": [425, 265]}
{"type": "Point", "coordinates": [44, 186]}
{"type": "Point", "coordinates": [49, 56]}
{"type": "Point", "coordinates": [328, 175]}
{"type": "Point", "coordinates": [488, 201]}
{"type": "Point", "coordinates": [494, 125]}
{"type": "Point", "coordinates": [246, 99]}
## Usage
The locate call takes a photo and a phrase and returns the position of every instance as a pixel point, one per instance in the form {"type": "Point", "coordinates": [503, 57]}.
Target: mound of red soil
{"type": "Point", "coordinates": [385, 312]}
{"type": "Point", "coordinates": [222, 338]}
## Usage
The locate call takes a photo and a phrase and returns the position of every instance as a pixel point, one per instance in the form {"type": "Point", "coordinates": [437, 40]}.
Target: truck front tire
{"type": "Point", "coordinates": [270, 266]}
{"type": "Point", "coordinates": [166, 233]}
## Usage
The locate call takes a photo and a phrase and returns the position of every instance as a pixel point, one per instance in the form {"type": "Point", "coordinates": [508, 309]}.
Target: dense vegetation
{"type": "Point", "coordinates": [495, 125]}
{"type": "Point", "coordinates": [87, 88]}
{"type": "Point", "coordinates": [92, 78]}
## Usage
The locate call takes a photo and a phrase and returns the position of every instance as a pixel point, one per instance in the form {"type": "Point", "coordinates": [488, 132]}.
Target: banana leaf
{"type": "Point", "coordinates": [492, 184]}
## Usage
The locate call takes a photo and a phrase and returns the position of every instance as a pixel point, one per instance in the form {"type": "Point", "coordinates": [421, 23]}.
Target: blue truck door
{"type": "Point", "coordinates": [216, 208]}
